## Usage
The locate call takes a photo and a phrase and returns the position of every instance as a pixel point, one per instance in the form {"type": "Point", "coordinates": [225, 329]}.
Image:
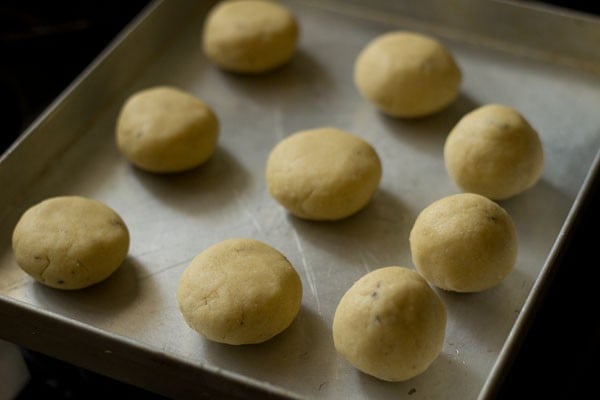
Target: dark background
{"type": "Point", "coordinates": [44, 45]}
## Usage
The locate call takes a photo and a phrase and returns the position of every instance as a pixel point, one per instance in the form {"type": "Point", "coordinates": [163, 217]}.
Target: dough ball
{"type": "Point", "coordinates": [239, 291]}
{"type": "Point", "coordinates": [493, 151]}
{"type": "Point", "coordinates": [323, 173]}
{"type": "Point", "coordinates": [390, 324]}
{"type": "Point", "coordinates": [164, 129]}
{"type": "Point", "coordinates": [406, 74]}
{"type": "Point", "coordinates": [464, 243]}
{"type": "Point", "coordinates": [70, 242]}
{"type": "Point", "coordinates": [249, 36]}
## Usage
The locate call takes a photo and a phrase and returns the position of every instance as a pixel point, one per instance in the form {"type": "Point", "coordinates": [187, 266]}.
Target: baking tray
{"type": "Point", "coordinates": [542, 62]}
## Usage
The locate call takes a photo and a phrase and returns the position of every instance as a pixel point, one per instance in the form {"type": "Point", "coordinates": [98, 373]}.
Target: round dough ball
{"type": "Point", "coordinates": [390, 324]}
{"type": "Point", "coordinates": [164, 129]}
{"type": "Point", "coordinates": [239, 291]}
{"type": "Point", "coordinates": [323, 173]}
{"type": "Point", "coordinates": [464, 243]}
{"type": "Point", "coordinates": [249, 36]}
{"type": "Point", "coordinates": [493, 151]}
{"type": "Point", "coordinates": [406, 74]}
{"type": "Point", "coordinates": [70, 242]}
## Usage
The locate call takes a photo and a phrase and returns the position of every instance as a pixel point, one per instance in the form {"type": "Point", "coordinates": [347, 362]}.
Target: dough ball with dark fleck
{"type": "Point", "coordinates": [390, 324]}
{"type": "Point", "coordinates": [164, 129]}
{"type": "Point", "coordinates": [323, 173]}
{"type": "Point", "coordinates": [239, 291]}
{"type": "Point", "coordinates": [495, 152]}
{"type": "Point", "coordinates": [407, 74]}
{"type": "Point", "coordinates": [70, 242]}
{"type": "Point", "coordinates": [464, 243]}
{"type": "Point", "coordinates": [250, 36]}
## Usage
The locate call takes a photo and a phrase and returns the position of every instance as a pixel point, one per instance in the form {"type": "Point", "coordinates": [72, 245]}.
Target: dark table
{"type": "Point", "coordinates": [45, 45]}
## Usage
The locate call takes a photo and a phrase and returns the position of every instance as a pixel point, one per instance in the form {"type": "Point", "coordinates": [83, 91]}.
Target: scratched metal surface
{"type": "Point", "coordinates": [172, 218]}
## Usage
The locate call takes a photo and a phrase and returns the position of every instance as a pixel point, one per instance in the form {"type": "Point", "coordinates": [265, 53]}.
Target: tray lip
{"type": "Point", "coordinates": [536, 294]}
{"type": "Point", "coordinates": [56, 103]}
{"type": "Point", "coordinates": [75, 95]}
{"type": "Point", "coordinates": [494, 379]}
{"type": "Point", "coordinates": [569, 54]}
{"type": "Point", "coordinates": [552, 8]}
{"type": "Point", "coordinates": [9, 304]}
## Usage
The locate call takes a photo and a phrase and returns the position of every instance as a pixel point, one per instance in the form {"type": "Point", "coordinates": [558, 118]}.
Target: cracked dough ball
{"type": "Point", "coordinates": [239, 291]}
{"type": "Point", "coordinates": [164, 129]}
{"type": "Point", "coordinates": [406, 74]}
{"type": "Point", "coordinates": [249, 36]}
{"type": "Point", "coordinates": [70, 242]}
{"type": "Point", "coordinates": [464, 243]}
{"type": "Point", "coordinates": [323, 173]}
{"type": "Point", "coordinates": [493, 151]}
{"type": "Point", "coordinates": [390, 324]}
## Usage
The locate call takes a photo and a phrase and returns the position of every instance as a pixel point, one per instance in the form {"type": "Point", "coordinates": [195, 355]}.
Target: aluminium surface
{"type": "Point", "coordinates": [129, 326]}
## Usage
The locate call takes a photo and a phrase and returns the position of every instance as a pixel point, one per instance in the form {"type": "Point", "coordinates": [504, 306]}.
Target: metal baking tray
{"type": "Point", "coordinates": [540, 61]}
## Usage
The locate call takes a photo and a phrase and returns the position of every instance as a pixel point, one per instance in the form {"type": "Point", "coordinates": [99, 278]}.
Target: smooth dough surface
{"type": "Point", "coordinates": [164, 129]}
{"type": "Point", "coordinates": [70, 242]}
{"type": "Point", "coordinates": [239, 291]}
{"type": "Point", "coordinates": [406, 74]}
{"type": "Point", "coordinates": [323, 173]}
{"type": "Point", "coordinates": [495, 152]}
{"type": "Point", "coordinates": [250, 36]}
{"type": "Point", "coordinates": [464, 243]}
{"type": "Point", "coordinates": [390, 324]}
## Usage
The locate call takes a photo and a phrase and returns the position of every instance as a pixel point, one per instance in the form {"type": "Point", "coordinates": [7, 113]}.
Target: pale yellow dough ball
{"type": "Point", "coordinates": [390, 324]}
{"type": "Point", "coordinates": [239, 291]}
{"type": "Point", "coordinates": [464, 243]}
{"type": "Point", "coordinates": [165, 129]}
{"type": "Point", "coordinates": [70, 242]}
{"type": "Point", "coordinates": [406, 74]}
{"type": "Point", "coordinates": [323, 173]}
{"type": "Point", "coordinates": [495, 152]}
{"type": "Point", "coordinates": [250, 36]}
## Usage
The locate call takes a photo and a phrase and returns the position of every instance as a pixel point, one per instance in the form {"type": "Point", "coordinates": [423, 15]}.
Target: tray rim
{"type": "Point", "coordinates": [540, 287]}
{"type": "Point", "coordinates": [512, 342]}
